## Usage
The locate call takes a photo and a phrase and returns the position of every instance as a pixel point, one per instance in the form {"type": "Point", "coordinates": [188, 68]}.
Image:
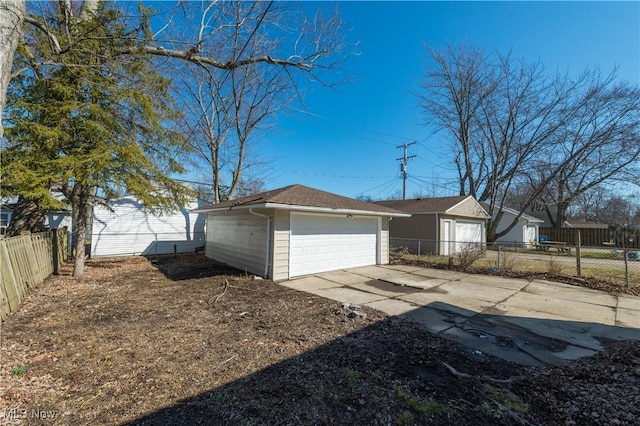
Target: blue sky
{"type": "Point", "coordinates": [348, 146]}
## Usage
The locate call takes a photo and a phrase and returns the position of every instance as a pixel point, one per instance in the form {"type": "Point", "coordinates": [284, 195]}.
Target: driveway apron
{"type": "Point", "coordinates": [528, 322]}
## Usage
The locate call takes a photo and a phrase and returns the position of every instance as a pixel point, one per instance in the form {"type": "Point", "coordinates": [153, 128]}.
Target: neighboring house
{"type": "Point", "coordinates": [445, 225]}
{"type": "Point", "coordinates": [524, 234]}
{"type": "Point", "coordinates": [52, 219]}
{"type": "Point", "coordinates": [6, 211]}
{"type": "Point", "coordinates": [125, 227]}
{"type": "Point", "coordinates": [297, 230]}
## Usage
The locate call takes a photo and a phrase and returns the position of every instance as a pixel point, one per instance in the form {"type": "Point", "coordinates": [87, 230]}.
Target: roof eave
{"type": "Point", "coordinates": [311, 209]}
{"type": "Point", "coordinates": [315, 209]}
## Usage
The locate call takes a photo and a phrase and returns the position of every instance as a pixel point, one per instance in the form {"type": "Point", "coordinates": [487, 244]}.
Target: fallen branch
{"type": "Point", "coordinates": [508, 410]}
{"type": "Point", "coordinates": [489, 379]}
{"type": "Point", "coordinates": [229, 359]}
{"type": "Point", "coordinates": [218, 297]}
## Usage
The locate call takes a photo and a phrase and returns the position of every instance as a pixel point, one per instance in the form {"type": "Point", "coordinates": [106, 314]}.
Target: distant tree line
{"type": "Point", "coordinates": [522, 137]}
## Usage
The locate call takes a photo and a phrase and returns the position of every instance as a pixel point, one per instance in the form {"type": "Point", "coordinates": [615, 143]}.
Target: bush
{"type": "Point", "coordinates": [468, 255]}
{"type": "Point", "coordinates": [398, 253]}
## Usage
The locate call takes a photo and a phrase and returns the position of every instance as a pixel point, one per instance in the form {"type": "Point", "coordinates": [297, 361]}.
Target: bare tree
{"type": "Point", "coordinates": [456, 85]}
{"type": "Point", "coordinates": [225, 107]}
{"type": "Point", "coordinates": [511, 126]}
{"type": "Point", "coordinates": [598, 144]}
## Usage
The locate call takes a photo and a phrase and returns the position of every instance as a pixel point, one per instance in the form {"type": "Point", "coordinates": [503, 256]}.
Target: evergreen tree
{"type": "Point", "coordinates": [96, 125]}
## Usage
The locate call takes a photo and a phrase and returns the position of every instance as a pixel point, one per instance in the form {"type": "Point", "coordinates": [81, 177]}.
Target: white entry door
{"type": "Point", "coordinates": [321, 243]}
{"type": "Point", "coordinates": [447, 238]}
{"type": "Point", "coordinates": [530, 235]}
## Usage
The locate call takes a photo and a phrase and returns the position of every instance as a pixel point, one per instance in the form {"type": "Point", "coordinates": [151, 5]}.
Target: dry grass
{"type": "Point", "coordinates": [189, 341]}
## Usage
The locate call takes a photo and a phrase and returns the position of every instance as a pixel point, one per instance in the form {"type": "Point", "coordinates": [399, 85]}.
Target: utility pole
{"type": "Point", "coordinates": [403, 166]}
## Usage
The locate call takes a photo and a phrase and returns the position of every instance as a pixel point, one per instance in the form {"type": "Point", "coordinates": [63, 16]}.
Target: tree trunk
{"type": "Point", "coordinates": [12, 13]}
{"type": "Point", "coordinates": [80, 229]}
{"type": "Point", "coordinates": [27, 216]}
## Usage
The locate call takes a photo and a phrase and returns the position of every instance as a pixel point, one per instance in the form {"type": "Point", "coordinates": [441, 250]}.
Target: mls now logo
{"type": "Point", "coordinates": [23, 413]}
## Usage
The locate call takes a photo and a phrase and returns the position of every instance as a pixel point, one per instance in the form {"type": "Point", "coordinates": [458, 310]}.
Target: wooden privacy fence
{"type": "Point", "coordinates": [594, 237]}
{"type": "Point", "coordinates": [25, 262]}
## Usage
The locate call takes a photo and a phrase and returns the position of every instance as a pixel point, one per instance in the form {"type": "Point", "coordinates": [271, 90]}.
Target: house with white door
{"type": "Point", "coordinates": [297, 230]}
{"type": "Point", "coordinates": [443, 225]}
{"type": "Point", "coordinates": [523, 234]}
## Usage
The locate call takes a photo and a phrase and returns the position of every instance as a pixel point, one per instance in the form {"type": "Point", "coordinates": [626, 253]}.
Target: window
{"type": "Point", "coordinates": [4, 220]}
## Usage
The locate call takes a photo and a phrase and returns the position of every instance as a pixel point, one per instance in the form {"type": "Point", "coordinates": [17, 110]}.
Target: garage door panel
{"type": "Point", "coordinates": [468, 234]}
{"type": "Point", "coordinates": [325, 243]}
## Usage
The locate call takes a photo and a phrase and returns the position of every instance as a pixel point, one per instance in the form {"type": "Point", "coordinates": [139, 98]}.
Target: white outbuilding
{"type": "Point", "coordinates": [297, 230]}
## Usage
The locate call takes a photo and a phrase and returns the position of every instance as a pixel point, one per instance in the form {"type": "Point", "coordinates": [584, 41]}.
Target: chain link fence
{"type": "Point", "coordinates": [618, 265]}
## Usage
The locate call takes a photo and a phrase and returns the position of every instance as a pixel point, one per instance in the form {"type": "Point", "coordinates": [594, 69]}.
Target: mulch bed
{"type": "Point", "coordinates": [190, 341]}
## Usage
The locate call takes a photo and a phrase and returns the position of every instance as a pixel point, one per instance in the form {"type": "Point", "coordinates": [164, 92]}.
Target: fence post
{"type": "Point", "coordinates": [625, 251]}
{"type": "Point", "coordinates": [55, 251]}
{"type": "Point", "coordinates": [418, 249]}
{"type": "Point", "coordinates": [578, 257]}
{"type": "Point", "coordinates": [499, 256]}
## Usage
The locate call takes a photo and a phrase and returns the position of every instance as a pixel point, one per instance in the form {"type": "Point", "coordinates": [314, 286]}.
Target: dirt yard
{"type": "Point", "coordinates": [188, 341]}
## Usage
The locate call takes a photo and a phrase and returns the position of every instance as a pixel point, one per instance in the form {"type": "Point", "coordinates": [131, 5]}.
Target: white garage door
{"type": "Point", "coordinates": [325, 243]}
{"type": "Point", "coordinates": [468, 234]}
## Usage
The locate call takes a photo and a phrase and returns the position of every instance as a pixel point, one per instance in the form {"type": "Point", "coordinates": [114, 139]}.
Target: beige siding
{"type": "Point", "coordinates": [281, 235]}
{"type": "Point", "coordinates": [237, 238]}
{"type": "Point", "coordinates": [468, 208]}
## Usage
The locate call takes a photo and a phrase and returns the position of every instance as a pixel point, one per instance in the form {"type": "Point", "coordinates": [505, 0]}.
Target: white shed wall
{"type": "Point", "coordinates": [517, 235]}
{"type": "Point", "coordinates": [130, 230]}
{"type": "Point", "coordinates": [237, 238]}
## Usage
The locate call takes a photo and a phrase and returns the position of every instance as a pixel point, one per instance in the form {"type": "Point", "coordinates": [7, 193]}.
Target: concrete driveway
{"type": "Point", "coordinates": [529, 322]}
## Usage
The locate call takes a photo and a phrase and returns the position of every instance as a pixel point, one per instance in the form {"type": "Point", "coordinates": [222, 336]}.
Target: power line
{"type": "Point", "coordinates": [311, 114]}
{"type": "Point", "coordinates": [333, 176]}
{"type": "Point", "coordinates": [385, 185]}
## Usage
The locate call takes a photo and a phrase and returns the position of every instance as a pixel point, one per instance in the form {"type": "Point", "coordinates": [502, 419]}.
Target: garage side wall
{"type": "Point", "coordinates": [515, 235]}
{"type": "Point", "coordinates": [281, 236]}
{"type": "Point", "coordinates": [420, 226]}
{"type": "Point", "coordinates": [237, 238]}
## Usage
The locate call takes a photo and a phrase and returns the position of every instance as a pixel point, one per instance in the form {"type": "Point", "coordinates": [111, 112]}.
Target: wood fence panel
{"type": "Point", "coordinates": [43, 252]}
{"type": "Point", "coordinates": [593, 237]}
{"type": "Point", "coordinates": [18, 261]}
{"type": "Point", "coordinates": [26, 261]}
{"type": "Point", "coordinates": [29, 247]}
{"type": "Point", "coordinates": [10, 299]}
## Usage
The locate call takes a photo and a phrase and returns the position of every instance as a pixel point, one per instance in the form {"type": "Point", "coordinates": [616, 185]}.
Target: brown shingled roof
{"type": "Point", "coordinates": [424, 205]}
{"type": "Point", "coordinates": [300, 195]}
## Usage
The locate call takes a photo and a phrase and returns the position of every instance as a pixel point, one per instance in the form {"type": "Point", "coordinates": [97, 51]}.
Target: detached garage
{"type": "Point", "coordinates": [443, 225]}
{"type": "Point", "coordinates": [297, 230]}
